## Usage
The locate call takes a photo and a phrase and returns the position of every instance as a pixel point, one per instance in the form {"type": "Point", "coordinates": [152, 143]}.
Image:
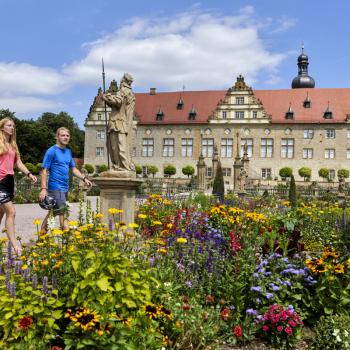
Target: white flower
{"type": "Point", "coordinates": [51, 222]}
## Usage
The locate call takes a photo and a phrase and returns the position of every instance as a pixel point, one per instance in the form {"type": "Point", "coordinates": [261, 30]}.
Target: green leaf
{"type": "Point", "coordinates": [8, 315]}
{"type": "Point", "coordinates": [75, 264]}
{"type": "Point", "coordinates": [118, 286]}
{"type": "Point", "coordinates": [103, 283]}
{"type": "Point", "coordinates": [89, 271]}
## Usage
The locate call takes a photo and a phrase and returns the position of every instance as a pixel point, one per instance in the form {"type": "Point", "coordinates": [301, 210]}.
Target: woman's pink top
{"type": "Point", "coordinates": [7, 161]}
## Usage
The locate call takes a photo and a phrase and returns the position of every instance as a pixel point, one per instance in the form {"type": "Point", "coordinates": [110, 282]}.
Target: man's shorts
{"type": "Point", "coordinates": [7, 185]}
{"type": "Point", "coordinates": [61, 201]}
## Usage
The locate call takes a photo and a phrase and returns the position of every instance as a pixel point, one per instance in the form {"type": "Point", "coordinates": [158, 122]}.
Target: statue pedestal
{"type": "Point", "coordinates": [118, 193]}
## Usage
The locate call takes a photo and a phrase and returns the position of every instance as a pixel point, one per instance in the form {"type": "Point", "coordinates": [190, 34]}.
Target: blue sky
{"type": "Point", "coordinates": [50, 53]}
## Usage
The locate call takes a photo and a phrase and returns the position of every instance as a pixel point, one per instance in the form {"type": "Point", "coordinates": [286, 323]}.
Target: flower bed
{"type": "Point", "coordinates": [183, 276]}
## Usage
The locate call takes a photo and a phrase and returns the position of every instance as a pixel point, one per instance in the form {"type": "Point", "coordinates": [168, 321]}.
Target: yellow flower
{"type": "Point", "coordinates": [40, 244]}
{"type": "Point", "coordinates": [169, 225]}
{"type": "Point", "coordinates": [142, 216]}
{"type": "Point", "coordinates": [348, 263]}
{"type": "Point", "coordinates": [58, 264]}
{"type": "Point", "coordinates": [57, 232]}
{"type": "Point", "coordinates": [98, 216]}
{"type": "Point", "coordinates": [37, 222]}
{"type": "Point", "coordinates": [115, 211]}
{"type": "Point", "coordinates": [181, 240]}
{"type": "Point", "coordinates": [73, 224]}
{"type": "Point", "coordinates": [339, 268]}
{"type": "Point", "coordinates": [34, 254]}
{"type": "Point", "coordinates": [45, 262]}
{"type": "Point", "coordinates": [162, 250]}
{"type": "Point", "coordinates": [25, 266]}
{"type": "Point", "coordinates": [156, 222]}
{"type": "Point", "coordinates": [133, 225]}
{"type": "Point", "coordinates": [71, 248]}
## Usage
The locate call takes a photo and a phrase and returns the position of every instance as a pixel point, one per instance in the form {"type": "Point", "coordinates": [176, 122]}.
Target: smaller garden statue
{"type": "Point", "coordinates": [341, 186]}
{"type": "Point", "coordinates": [242, 179]}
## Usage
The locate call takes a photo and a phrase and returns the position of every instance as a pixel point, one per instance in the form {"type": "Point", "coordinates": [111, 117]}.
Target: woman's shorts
{"type": "Point", "coordinates": [61, 201]}
{"type": "Point", "coordinates": [7, 187]}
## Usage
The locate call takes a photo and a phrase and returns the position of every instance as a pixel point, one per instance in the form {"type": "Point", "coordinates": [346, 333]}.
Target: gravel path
{"type": "Point", "coordinates": [26, 213]}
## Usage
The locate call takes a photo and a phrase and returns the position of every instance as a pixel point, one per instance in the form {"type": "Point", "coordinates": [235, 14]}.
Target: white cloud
{"type": "Point", "coordinates": [25, 104]}
{"type": "Point", "coordinates": [198, 49]}
{"type": "Point", "coordinates": [22, 78]}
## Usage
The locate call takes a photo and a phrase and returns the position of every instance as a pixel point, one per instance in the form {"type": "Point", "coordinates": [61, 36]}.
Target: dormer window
{"type": "Point", "coordinates": [192, 115]}
{"type": "Point", "coordinates": [290, 113]}
{"type": "Point", "coordinates": [160, 114]}
{"type": "Point", "coordinates": [307, 102]}
{"type": "Point", "coordinates": [180, 104]}
{"type": "Point", "coordinates": [328, 113]}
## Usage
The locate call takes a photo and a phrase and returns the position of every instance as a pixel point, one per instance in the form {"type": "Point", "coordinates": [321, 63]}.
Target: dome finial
{"type": "Point", "coordinates": [303, 80]}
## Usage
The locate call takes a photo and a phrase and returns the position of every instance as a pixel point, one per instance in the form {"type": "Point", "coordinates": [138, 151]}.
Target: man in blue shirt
{"type": "Point", "coordinates": [58, 161]}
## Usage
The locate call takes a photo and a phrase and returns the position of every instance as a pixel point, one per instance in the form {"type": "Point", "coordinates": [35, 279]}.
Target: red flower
{"type": "Point", "coordinates": [210, 299]}
{"type": "Point", "coordinates": [225, 313]}
{"type": "Point", "coordinates": [186, 307]}
{"type": "Point", "coordinates": [25, 322]}
{"type": "Point", "coordinates": [288, 330]}
{"type": "Point", "coordinates": [265, 328]}
{"type": "Point", "coordinates": [55, 347]}
{"type": "Point", "coordinates": [279, 328]}
{"type": "Point", "coordinates": [237, 331]}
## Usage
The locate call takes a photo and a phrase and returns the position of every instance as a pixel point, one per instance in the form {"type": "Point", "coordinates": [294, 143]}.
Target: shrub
{"type": "Point", "coordinates": [292, 192]}
{"type": "Point", "coordinates": [332, 332]}
{"type": "Point", "coordinates": [286, 172]}
{"type": "Point", "coordinates": [188, 170]}
{"type": "Point", "coordinates": [324, 173]}
{"type": "Point", "coordinates": [305, 173]}
{"type": "Point", "coordinates": [89, 168]}
{"type": "Point", "coordinates": [32, 168]}
{"type": "Point", "coordinates": [101, 168]}
{"type": "Point", "coordinates": [169, 170]}
{"type": "Point", "coordinates": [152, 169]}
{"type": "Point", "coordinates": [343, 173]}
{"type": "Point", "coordinates": [138, 169]}
{"type": "Point", "coordinates": [218, 185]}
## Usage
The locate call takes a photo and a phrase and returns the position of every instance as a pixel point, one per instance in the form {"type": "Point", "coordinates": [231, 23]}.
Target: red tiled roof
{"type": "Point", "coordinates": [204, 102]}
{"type": "Point", "coordinates": [275, 103]}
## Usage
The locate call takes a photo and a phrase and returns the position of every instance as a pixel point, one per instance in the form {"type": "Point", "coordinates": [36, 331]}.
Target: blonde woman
{"type": "Point", "coordinates": [10, 157]}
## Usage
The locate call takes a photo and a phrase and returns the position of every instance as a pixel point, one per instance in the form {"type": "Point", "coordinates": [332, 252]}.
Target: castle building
{"type": "Point", "coordinates": [299, 127]}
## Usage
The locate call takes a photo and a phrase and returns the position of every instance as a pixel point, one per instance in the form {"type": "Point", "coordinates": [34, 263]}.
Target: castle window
{"type": "Point", "coordinates": [329, 153]}
{"type": "Point", "coordinates": [266, 148]}
{"type": "Point", "coordinates": [239, 114]}
{"type": "Point", "coordinates": [99, 116]}
{"type": "Point", "coordinates": [289, 113]}
{"type": "Point", "coordinates": [308, 153]}
{"type": "Point", "coordinates": [100, 134]}
{"type": "Point", "coordinates": [168, 147]}
{"type": "Point", "coordinates": [287, 148]}
{"type": "Point", "coordinates": [180, 104]}
{"type": "Point", "coordinates": [226, 148]}
{"type": "Point", "coordinates": [266, 173]}
{"type": "Point", "coordinates": [187, 147]}
{"type": "Point", "coordinates": [224, 115]}
{"type": "Point", "coordinates": [248, 145]}
{"type": "Point", "coordinates": [308, 133]}
{"type": "Point", "coordinates": [208, 171]}
{"type": "Point", "coordinates": [328, 113]}
{"type": "Point", "coordinates": [207, 147]}
{"type": "Point", "coordinates": [240, 100]}
{"type": "Point", "coordinates": [329, 133]}
{"type": "Point", "coordinates": [255, 114]}
{"type": "Point", "coordinates": [226, 171]}
{"type": "Point", "coordinates": [100, 151]}
{"type": "Point", "coordinates": [147, 147]}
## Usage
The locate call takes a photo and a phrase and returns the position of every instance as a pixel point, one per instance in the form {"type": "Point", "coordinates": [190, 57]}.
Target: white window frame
{"type": "Point", "coordinates": [266, 148]}
{"type": "Point", "coordinates": [227, 171]}
{"type": "Point", "coordinates": [209, 171]}
{"type": "Point", "coordinates": [239, 114]}
{"type": "Point", "coordinates": [226, 148]}
{"type": "Point", "coordinates": [239, 100]}
{"type": "Point", "coordinates": [224, 114]}
{"type": "Point", "coordinates": [308, 153]}
{"type": "Point", "coordinates": [266, 172]}
{"type": "Point", "coordinates": [329, 133]}
{"type": "Point", "coordinates": [287, 148]}
{"type": "Point", "coordinates": [100, 134]}
{"type": "Point", "coordinates": [329, 153]}
{"type": "Point", "coordinates": [100, 151]}
{"type": "Point", "coordinates": [187, 147]}
{"type": "Point", "coordinates": [348, 153]}
{"type": "Point", "coordinates": [147, 147]}
{"type": "Point", "coordinates": [308, 133]}
{"type": "Point", "coordinates": [207, 147]}
{"type": "Point", "coordinates": [255, 114]}
{"type": "Point", "coordinates": [168, 147]}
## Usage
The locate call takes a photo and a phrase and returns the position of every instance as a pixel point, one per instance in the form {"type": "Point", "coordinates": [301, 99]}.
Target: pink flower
{"type": "Point", "coordinates": [288, 330]}
{"type": "Point", "coordinates": [265, 328]}
{"type": "Point", "coordinates": [279, 328]}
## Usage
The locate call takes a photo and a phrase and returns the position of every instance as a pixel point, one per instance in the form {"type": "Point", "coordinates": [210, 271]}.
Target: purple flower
{"type": "Point", "coordinates": [256, 289]}
{"type": "Point", "coordinates": [188, 284]}
{"type": "Point", "coordinates": [26, 275]}
{"type": "Point", "coordinates": [269, 295]}
{"type": "Point", "coordinates": [12, 289]}
{"type": "Point", "coordinates": [251, 312]}
{"type": "Point", "coordinates": [34, 281]}
{"type": "Point", "coordinates": [45, 286]}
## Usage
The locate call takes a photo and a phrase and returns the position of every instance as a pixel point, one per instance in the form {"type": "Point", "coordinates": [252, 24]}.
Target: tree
{"type": "Point", "coordinates": [292, 192]}
{"type": "Point", "coordinates": [188, 170]}
{"type": "Point", "coordinates": [54, 121]}
{"type": "Point", "coordinates": [152, 169]}
{"type": "Point", "coordinates": [324, 173]}
{"type": "Point", "coordinates": [89, 168]}
{"type": "Point", "coordinates": [305, 173]}
{"type": "Point", "coordinates": [169, 170]}
{"type": "Point", "coordinates": [286, 172]}
{"type": "Point", "coordinates": [218, 185]}
{"type": "Point", "coordinates": [343, 173]}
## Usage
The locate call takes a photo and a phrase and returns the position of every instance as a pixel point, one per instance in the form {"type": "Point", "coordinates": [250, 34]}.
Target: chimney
{"type": "Point", "coordinates": [152, 91]}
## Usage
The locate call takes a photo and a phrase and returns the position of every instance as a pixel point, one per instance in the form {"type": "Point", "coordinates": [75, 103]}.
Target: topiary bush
{"type": "Point", "coordinates": [285, 172]}
{"type": "Point", "coordinates": [305, 173]}
{"type": "Point", "coordinates": [169, 170]}
{"type": "Point", "coordinates": [89, 168]}
{"type": "Point", "coordinates": [343, 173]}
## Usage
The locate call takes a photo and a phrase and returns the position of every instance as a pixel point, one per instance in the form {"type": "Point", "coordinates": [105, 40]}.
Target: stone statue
{"type": "Point", "coordinates": [120, 124]}
{"type": "Point", "coordinates": [341, 186]}
{"type": "Point", "coordinates": [242, 179]}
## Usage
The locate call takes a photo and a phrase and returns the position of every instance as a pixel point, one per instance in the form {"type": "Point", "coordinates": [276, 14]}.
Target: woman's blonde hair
{"type": "Point", "coordinates": [4, 146]}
